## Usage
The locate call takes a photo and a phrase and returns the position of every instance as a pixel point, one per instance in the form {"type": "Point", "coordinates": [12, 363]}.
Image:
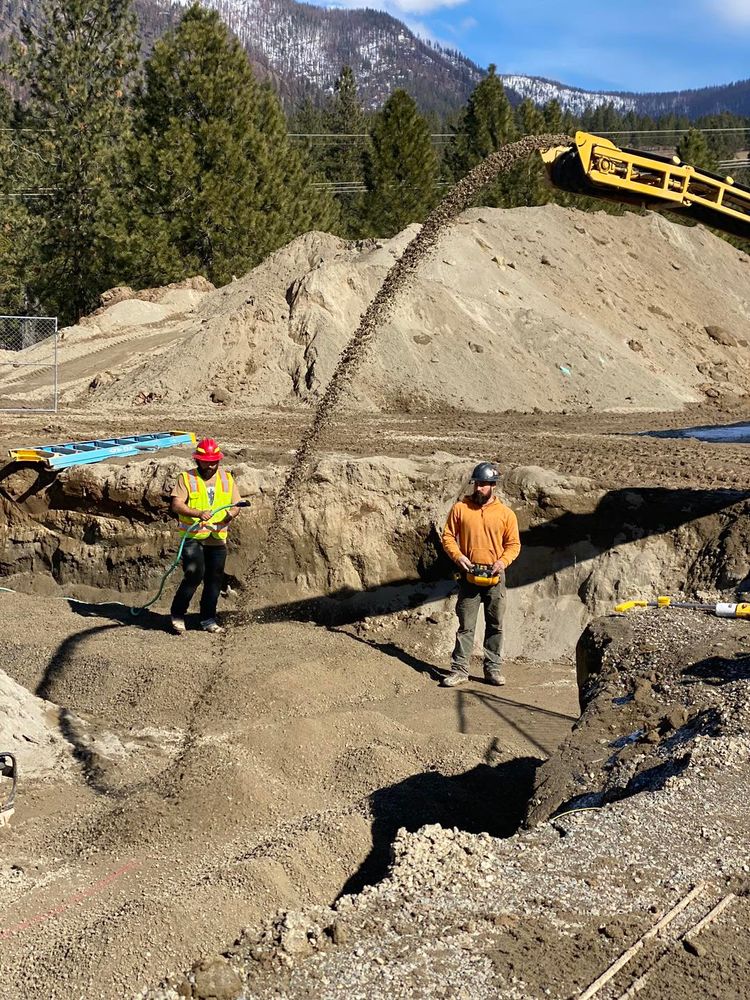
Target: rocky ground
{"type": "Point", "coordinates": [643, 810]}
{"type": "Point", "coordinates": [203, 787]}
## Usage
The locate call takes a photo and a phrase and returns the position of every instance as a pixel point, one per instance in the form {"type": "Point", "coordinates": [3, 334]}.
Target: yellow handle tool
{"type": "Point", "coordinates": [629, 605]}
{"type": "Point", "coordinates": [721, 609]}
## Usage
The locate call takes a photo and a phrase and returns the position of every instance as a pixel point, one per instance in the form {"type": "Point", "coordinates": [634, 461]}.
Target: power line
{"type": "Point", "coordinates": [355, 135]}
{"type": "Point", "coordinates": [448, 136]}
{"type": "Point", "coordinates": [676, 131]}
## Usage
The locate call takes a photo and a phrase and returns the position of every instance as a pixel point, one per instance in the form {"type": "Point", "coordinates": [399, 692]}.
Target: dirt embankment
{"type": "Point", "coordinates": [647, 800]}
{"type": "Point", "coordinates": [365, 539]}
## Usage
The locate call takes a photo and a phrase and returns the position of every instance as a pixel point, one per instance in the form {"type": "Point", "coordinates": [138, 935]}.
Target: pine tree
{"type": "Point", "coordinates": [525, 184]}
{"type": "Point", "coordinates": [694, 150]}
{"type": "Point", "coordinates": [15, 228]}
{"type": "Point", "coordinates": [529, 119]}
{"type": "Point", "coordinates": [74, 67]}
{"type": "Point", "coordinates": [346, 117]}
{"type": "Point", "coordinates": [400, 168]}
{"type": "Point", "coordinates": [221, 184]}
{"type": "Point", "coordinates": [553, 117]}
{"type": "Point", "coordinates": [307, 121]}
{"type": "Point", "coordinates": [486, 124]}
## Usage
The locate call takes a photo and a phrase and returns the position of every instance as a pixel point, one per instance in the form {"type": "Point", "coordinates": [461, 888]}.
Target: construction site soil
{"type": "Point", "coordinates": [296, 808]}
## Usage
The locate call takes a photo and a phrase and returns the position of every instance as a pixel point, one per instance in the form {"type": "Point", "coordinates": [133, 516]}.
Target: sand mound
{"type": "Point", "coordinates": [28, 729]}
{"type": "Point", "coordinates": [544, 307]}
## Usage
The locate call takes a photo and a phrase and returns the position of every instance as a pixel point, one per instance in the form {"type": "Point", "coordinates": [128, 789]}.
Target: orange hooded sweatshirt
{"type": "Point", "coordinates": [482, 533]}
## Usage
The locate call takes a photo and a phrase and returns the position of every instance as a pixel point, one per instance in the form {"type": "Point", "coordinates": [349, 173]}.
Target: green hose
{"type": "Point", "coordinates": [174, 564]}
{"type": "Point", "coordinates": [170, 569]}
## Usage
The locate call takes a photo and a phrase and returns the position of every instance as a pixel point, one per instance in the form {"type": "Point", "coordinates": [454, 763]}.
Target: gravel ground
{"type": "Point", "coordinates": [546, 911]}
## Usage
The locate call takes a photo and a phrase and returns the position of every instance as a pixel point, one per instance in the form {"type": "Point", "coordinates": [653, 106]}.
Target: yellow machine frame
{"type": "Point", "coordinates": [595, 166]}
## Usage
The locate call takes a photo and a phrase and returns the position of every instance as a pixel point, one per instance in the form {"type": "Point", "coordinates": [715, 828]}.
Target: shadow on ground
{"type": "Point", "coordinates": [718, 670]}
{"type": "Point", "coordinates": [71, 726]}
{"type": "Point", "coordinates": [485, 799]}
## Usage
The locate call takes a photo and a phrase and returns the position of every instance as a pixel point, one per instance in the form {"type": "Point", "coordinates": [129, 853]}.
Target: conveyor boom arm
{"type": "Point", "coordinates": [597, 167]}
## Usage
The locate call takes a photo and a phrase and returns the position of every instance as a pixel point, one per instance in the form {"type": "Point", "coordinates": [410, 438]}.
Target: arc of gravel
{"type": "Point", "coordinates": [353, 356]}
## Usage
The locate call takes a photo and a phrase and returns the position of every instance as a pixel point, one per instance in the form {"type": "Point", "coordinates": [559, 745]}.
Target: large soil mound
{"type": "Point", "coordinates": [503, 317]}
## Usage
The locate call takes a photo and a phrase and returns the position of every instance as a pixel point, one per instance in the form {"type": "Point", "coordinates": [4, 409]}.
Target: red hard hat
{"type": "Point", "coordinates": [207, 450]}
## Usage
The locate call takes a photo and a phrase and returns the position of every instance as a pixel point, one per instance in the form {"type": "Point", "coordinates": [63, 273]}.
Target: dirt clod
{"type": "Point", "coordinates": [215, 979]}
{"type": "Point", "coordinates": [720, 335]}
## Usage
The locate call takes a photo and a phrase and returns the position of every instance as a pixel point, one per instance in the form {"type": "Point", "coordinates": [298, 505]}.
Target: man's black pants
{"type": "Point", "coordinates": [200, 562]}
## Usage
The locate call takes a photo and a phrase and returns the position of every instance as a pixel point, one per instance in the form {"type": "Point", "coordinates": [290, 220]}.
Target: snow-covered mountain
{"type": "Point", "coordinates": [571, 99]}
{"type": "Point", "coordinates": [732, 97]}
{"type": "Point", "coordinates": [304, 47]}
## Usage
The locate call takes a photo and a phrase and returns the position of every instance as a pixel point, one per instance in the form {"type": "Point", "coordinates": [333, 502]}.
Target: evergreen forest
{"type": "Point", "coordinates": [120, 171]}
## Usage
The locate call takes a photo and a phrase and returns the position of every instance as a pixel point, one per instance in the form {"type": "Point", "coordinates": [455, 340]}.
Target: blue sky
{"type": "Point", "coordinates": [596, 44]}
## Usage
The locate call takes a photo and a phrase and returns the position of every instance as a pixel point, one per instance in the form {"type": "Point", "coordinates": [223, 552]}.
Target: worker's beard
{"type": "Point", "coordinates": [480, 499]}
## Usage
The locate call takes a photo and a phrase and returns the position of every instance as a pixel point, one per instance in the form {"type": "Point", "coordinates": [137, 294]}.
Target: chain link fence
{"type": "Point", "coordinates": [28, 364]}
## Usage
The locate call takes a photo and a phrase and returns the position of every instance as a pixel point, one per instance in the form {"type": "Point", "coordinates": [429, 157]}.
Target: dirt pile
{"type": "Point", "coordinates": [503, 317]}
{"type": "Point", "coordinates": [545, 912]}
{"type": "Point", "coordinates": [29, 729]}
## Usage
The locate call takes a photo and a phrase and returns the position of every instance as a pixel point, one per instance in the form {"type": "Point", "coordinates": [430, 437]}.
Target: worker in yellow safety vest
{"type": "Point", "coordinates": [196, 495]}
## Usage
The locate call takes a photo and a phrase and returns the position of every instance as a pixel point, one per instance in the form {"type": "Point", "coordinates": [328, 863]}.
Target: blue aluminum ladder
{"type": "Point", "coordinates": [62, 456]}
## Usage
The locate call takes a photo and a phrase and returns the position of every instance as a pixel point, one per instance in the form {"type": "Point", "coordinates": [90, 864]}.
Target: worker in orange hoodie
{"type": "Point", "coordinates": [481, 537]}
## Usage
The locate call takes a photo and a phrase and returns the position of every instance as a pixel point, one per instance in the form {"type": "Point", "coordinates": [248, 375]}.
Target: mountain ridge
{"type": "Point", "coordinates": [301, 48]}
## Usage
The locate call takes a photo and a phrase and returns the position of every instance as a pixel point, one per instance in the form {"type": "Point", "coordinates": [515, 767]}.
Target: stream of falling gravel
{"type": "Point", "coordinates": [398, 279]}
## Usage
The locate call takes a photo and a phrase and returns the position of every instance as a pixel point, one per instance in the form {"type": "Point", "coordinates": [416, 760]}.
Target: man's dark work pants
{"type": "Point", "coordinates": [200, 562]}
{"type": "Point", "coordinates": [470, 596]}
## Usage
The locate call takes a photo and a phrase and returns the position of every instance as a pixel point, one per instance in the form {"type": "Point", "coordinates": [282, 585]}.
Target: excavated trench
{"type": "Point", "coordinates": [276, 768]}
{"type": "Point", "coordinates": [364, 541]}
{"type": "Point", "coordinates": [320, 723]}
{"type": "Point", "coordinates": [361, 554]}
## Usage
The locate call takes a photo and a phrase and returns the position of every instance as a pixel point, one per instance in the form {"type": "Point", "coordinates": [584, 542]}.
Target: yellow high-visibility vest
{"type": "Point", "coordinates": [197, 492]}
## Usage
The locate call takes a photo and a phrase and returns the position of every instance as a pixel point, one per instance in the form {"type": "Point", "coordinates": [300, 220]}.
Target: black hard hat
{"type": "Point", "coordinates": [485, 472]}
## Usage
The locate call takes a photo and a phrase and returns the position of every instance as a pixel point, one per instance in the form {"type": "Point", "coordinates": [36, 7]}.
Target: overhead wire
{"type": "Point", "coordinates": [358, 187]}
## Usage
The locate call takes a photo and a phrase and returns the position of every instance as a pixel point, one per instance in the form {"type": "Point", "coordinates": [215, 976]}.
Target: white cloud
{"type": "Point", "coordinates": [420, 29]}
{"type": "Point", "coordinates": [734, 11]}
{"type": "Point", "coordinates": [399, 8]}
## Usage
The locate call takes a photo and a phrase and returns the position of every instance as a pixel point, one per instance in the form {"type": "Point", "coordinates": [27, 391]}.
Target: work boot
{"type": "Point", "coordinates": [494, 676]}
{"type": "Point", "coordinates": [178, 625]}
{"type": "Point", "coordinates": [454, 678]}
{"type": "Point", "coordinates": [211, 626]}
